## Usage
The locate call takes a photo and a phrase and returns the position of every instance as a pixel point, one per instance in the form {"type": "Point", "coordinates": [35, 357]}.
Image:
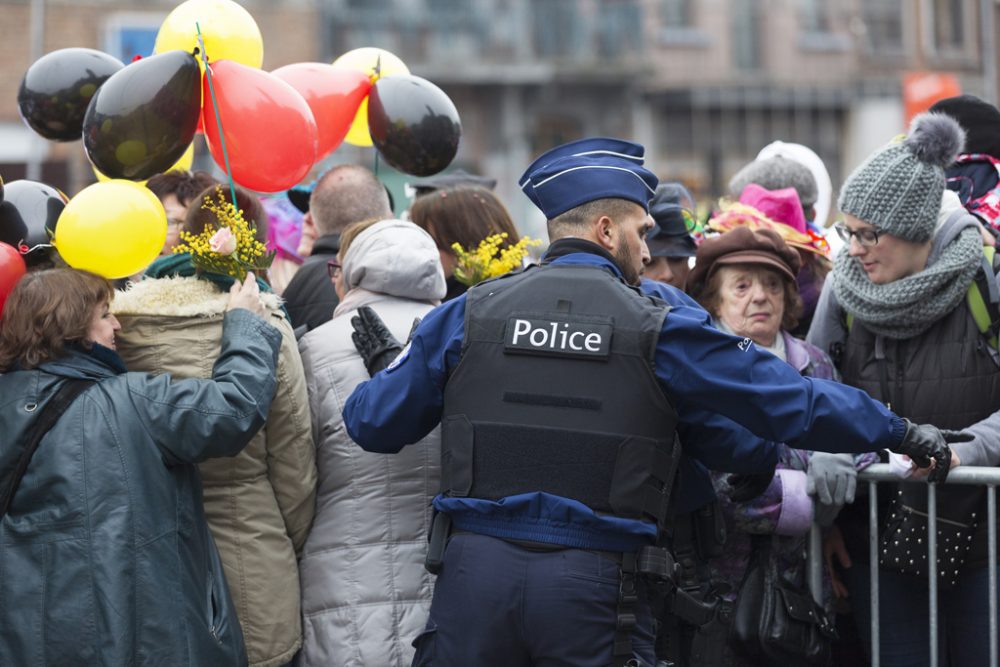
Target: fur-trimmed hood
{"type": "Point", "coordinates": [178, 296]}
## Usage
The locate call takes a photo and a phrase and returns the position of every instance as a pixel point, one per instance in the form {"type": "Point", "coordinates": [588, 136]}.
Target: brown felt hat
{"type": "Point", "coordinates": [743, 246]}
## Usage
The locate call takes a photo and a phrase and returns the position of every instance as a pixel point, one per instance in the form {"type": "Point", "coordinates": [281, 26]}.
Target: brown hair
{"type": "Point", "coordinates": [351, 232]}
{"type": "Point", "coordinates": [46, 311]}
{"type": "Point", "coordinates": [185, 185]}
{"type": "Point", "coordinates": [710, 298]}
{"type": "Point", "coordinates": [198, 218]}
{"type": "Point", "coordinates": [465, 215]}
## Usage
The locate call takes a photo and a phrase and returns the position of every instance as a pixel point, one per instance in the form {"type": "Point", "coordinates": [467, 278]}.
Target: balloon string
{"type": "Point", "coordinates": [376, 163]}
{"type": "Point", "coordinates": [218, 118]}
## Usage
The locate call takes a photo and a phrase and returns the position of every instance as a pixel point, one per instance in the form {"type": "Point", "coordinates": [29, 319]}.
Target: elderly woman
{"type": "Point", "coordinates": [896, 317]}
{"type": "Point", "coordinates": [106, 557]}
{"type": "Point", "coordinates": [365, 592]}
{"type": "Point", "coordinates": [260, 503]}
{"type": "Point", "coordinates": [746, 279]}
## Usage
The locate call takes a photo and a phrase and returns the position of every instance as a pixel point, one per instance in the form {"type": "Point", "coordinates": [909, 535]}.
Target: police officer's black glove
{"type": "Point", "coordinates": [924, 442]}
{"type": "Point", "coordinates": [374, 342]}
{"type": "Point", "coordinates": [744, 487]}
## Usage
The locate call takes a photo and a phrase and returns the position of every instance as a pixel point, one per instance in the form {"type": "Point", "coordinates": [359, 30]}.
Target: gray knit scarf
{"type": "Point", "coordinates": [909, 306]}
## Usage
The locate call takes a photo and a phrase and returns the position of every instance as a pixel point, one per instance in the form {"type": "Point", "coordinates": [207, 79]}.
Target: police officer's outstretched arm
{"type": "Point", "coordinates": [703, 368]}
{"type": "Point", "coordinates": [402, 404]}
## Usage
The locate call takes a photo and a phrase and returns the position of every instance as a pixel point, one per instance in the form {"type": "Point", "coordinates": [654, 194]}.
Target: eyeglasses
{"type": "Point", "coordinates": [866, 237]}
{"type": "Point", "coordinates": [333, 268]}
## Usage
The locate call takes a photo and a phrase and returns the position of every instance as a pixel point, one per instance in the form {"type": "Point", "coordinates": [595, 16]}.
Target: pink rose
{"type": "Point", "coordinates": [223, 242]}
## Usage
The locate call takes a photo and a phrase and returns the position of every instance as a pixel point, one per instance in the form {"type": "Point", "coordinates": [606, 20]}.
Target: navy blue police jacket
{"type": "Point", "coordinates": [734, 402]}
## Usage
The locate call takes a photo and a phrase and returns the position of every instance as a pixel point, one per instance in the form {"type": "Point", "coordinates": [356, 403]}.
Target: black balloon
{"type": "Point", "coordinates": [56, 90]}
{"type": "Point", "coordinates": [413, 124]}
{"type": "Point", "coordinates": [143, 119]}
{"type": "Point", "coordinates": [28, 215]}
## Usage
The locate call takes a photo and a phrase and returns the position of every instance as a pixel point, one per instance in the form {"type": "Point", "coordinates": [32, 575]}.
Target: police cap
{"type": "Point", "coordinates": [586, 170]}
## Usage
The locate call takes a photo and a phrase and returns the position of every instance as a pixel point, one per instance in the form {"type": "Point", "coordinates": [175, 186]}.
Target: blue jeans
{"type": "Point", "coordinates": [904, 613]}
{"type": "Point", "coordinates": [496, 603]}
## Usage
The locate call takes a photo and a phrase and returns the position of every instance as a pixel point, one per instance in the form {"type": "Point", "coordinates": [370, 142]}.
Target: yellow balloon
{"type": "Point", "coordinates": [365, 60]}
{"type": "Point", "coordinates": [230, 33]}
{"type": "Point", "coordinates": [183, 164]}
{"type": "Point", "coordinates": [114, 229]}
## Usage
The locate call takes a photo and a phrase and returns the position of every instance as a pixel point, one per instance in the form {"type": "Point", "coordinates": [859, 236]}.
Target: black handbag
{"type": "Point", "coordinates": [903, 541]}
{"type": "Point", "coordinates": [777, 620]}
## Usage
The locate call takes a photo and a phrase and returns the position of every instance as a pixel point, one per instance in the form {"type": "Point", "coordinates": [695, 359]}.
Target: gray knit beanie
{"type": "Point", "coordinates": [776, 173]}
{"type": "Point", "coordinates": [898, 188]}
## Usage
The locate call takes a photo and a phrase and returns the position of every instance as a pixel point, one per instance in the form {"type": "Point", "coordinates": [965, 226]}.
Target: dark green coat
{"type": "Point", "coordinates": [105, 557]}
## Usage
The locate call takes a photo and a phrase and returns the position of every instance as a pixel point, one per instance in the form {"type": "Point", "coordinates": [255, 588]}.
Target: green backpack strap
{"type": "Point", "coordinates": [983, 298]}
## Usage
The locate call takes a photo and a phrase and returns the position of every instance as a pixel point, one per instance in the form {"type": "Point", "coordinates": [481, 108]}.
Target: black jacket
{"type": "Point", "coordinates": [309, 297]}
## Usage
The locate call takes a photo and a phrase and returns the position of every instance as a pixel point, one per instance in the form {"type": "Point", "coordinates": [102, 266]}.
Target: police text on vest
{"type": "Point", "coordinates": [557, 338]}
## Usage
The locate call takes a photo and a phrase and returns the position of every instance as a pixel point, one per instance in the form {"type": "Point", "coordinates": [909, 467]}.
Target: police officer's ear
{"type": "Point", "coordinates": [605, 232]}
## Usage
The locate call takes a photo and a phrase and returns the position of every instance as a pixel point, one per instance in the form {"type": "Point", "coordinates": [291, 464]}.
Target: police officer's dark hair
{"type": "Point", "coordinates": [345, 194]}
{"type": "Point", "coordinates": [569, 223]}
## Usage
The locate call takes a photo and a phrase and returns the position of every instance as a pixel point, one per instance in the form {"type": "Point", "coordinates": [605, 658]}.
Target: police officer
{"type": "Point", "coordinates": [560, 390]}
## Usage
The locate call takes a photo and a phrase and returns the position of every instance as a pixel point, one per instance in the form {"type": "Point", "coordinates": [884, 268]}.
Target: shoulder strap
{"type": "Point", "coordinates": [53, 410]}
{"type": "Point", "coordinates": [983, 298]}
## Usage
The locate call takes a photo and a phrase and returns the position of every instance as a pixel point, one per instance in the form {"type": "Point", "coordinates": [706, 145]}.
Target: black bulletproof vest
{"type": "Point", "coordinates": [555, 392]}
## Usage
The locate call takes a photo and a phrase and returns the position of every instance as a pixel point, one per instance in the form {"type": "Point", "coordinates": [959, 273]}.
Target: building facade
{"type": "Point", "coordinates": [704, 84]}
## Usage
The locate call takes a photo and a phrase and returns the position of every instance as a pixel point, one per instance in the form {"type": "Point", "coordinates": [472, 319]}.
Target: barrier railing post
{"type": "Point", "coordinates": [988, 477]}
{"type": "Point", "coordinates": [873, 569]}
{"type": "Point", "coordinates": [932, 570]}
{"type": "Point", "coordinates": [991, 514]}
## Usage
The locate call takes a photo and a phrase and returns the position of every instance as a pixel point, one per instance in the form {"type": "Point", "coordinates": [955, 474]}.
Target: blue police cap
{"type": "Point", "coordinates": [582, 171]}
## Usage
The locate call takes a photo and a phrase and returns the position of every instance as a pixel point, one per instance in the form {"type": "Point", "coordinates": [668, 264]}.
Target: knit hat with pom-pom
{"type": "Point", "coordinates": [898, 188]}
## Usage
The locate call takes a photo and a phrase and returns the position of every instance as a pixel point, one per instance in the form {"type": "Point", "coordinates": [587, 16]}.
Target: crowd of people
{"type": "Point", "coordinates": [611, 456]}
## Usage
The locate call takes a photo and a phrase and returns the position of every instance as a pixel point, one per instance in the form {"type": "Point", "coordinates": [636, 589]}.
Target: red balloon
{"type": "Point", "coordinates": [11, 270]}
{"type": "Point", "coordinates": [334, 95]}
{"type": "Point", "coordinates": [269, 130]}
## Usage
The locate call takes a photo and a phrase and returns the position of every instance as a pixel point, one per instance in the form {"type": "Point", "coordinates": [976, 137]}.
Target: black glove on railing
{"type": "Point", "coordinates": [744, 487]}
{"type": "Point", "coordinates": [373, 340]}
{"type": "Point", "coordinates": [924, 442]}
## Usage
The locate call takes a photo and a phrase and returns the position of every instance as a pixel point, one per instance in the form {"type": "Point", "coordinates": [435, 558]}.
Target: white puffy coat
{"type": "Point", "coordinates": [365, 592]}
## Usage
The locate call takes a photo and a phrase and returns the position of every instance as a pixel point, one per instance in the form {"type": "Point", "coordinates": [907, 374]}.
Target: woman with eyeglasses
{"type": "Point", "coordinates": [895, 317]}
{"type": "Point", "coordinates": [365, 592]}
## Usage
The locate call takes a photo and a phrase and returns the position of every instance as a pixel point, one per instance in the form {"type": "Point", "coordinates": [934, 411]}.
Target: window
{"type": "Point", "coordinates": [131, 34]}
{"type": "Point", "coordinates": [558, 28]}
{"type": "Point", "coordinates": [619, 28]}
{"type": "Point", "coordinates": [883, 26]}
{"type": "Point", "coordinates": [746, 34]}
{"type": "Point", "coordinates": [814, 16]}
{"type": "Point", "coordinates": [555, 129]}
{"type": "Point", "coordinates": [948, 21]}
{"type": "Point", "coordinates": [676, 13]}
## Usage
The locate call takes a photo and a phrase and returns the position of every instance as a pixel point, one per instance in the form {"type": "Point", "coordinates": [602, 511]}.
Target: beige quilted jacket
{"type": "Point", "coordinates": [260, 503]}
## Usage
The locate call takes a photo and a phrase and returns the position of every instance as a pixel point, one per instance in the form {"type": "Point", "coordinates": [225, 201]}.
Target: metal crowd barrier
{"type": "Point", "coordinates": [988, 477]}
